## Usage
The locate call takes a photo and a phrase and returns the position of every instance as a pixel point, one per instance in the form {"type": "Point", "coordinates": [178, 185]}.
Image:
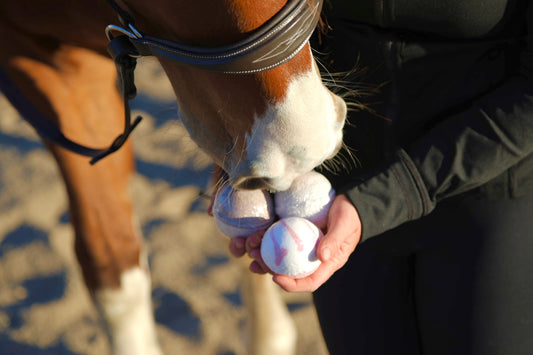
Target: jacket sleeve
{"type": "Point", "coordinates": [463, 152]}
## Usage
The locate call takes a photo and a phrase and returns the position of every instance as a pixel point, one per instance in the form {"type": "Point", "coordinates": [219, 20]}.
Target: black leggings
{"type": "Point", "coordinates": [457, 282]}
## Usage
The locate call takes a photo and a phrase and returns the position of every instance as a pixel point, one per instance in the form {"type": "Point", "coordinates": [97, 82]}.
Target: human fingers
{"type": "Point", "coordinates": [307, 284]}
{"type": "Point", "coordinates": [237, 246]}
{"type": "Point", "coordinates": [257, 266]}
{"type": "Point", "coordinates": [253, 242]}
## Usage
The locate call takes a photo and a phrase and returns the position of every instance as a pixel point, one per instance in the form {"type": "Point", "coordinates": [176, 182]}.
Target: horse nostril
{"type": "Point", "coordinates": [253, 183]}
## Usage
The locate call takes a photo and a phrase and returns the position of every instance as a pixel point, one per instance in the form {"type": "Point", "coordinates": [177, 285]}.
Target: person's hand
{"type": "Point", "coordinates": [334, 249]}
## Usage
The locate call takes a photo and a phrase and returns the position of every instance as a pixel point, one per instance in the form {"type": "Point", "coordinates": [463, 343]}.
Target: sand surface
{"type": "Point", "coordinates": [44, 307]}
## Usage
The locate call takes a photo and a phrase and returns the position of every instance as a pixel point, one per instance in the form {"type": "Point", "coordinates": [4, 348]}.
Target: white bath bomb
{"type": "Point", "coordinates": [239, 213]}
{"type": "Point", "coordinates": [310, 196]}
{"type": "Point", "coordinates": [289, 247]}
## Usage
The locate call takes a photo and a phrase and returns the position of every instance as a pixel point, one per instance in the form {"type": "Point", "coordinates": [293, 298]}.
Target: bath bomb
{"type": "Point", "coordinates": [310, 196]}
{"type": "Point", "coordinates": [289, 247]}
{"type": "Point", "coordinates": [239, 213]}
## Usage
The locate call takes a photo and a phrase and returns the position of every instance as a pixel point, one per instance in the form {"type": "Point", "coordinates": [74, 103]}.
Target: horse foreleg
{"type": "Point", "coordinates": [109, 249]}
{"type": "Point", "coordinates": [108, 241]}
{"type": "Point", "coordinates": [270, 325]}
{"type": "Point", "coordinates": [76, 89]}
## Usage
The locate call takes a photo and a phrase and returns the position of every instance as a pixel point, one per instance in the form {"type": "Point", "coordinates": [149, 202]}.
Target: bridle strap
{"type": "Point", "coordinates": [271, 45]}
{"type": "Point", "coordinates": [44, 127]}
{"type": "Point", "coordinates": [50, 132]}
{"type": "Point", "coordinates": [121, 52]}
{"type": "Point", "coordinates": [123, 15]}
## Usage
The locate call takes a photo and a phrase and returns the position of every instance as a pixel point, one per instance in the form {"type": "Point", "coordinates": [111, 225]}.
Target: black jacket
{"type": "Point", "coordinates": [454, 110]}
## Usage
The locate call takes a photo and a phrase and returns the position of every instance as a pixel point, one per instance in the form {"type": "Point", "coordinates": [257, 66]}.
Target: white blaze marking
{"type": "Point", "coordinates": [295, 135]}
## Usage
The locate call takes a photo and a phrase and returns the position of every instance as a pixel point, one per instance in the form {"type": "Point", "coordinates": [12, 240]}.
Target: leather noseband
{"type": "Point", "coordinates": [272, 44]}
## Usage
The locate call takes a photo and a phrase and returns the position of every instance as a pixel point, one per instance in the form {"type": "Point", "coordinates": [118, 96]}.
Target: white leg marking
{"type": "Point", "coordinates": [129, 315]}
{"type": "Point", "coordinates": [270, 325]}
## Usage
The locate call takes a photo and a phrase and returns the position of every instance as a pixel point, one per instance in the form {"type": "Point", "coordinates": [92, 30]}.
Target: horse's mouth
{"type": "Point", "coordinates": [262, 183]}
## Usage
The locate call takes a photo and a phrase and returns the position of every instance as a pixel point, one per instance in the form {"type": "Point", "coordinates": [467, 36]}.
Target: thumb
{"type": "Point", "coordinates": [328, 245]}
{"type": "Point", "coordinates": [343, 231]}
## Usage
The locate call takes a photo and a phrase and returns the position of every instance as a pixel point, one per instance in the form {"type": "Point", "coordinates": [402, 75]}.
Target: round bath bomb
{"type": "Point", "coordinates": [289, 247]}
{"type": "Point", "coordinates": [239, 213]}
{"type": "Point", "coordinates": [310, 196]}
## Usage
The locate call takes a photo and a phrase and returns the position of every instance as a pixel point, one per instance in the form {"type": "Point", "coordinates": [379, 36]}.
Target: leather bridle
{"type": "Point", "coordinates": [271, 45]}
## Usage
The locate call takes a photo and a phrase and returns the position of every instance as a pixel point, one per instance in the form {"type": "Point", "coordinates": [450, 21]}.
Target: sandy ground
{"type": "Point", "coordinates": [44, 307]}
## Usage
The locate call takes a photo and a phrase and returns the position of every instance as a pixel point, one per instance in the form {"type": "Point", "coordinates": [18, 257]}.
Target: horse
{"type": "Point", "coordinates": [248, 91]}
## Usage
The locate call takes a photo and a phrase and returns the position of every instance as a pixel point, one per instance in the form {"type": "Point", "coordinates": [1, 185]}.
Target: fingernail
{"type": "Point", "coordinates": [326, 254]}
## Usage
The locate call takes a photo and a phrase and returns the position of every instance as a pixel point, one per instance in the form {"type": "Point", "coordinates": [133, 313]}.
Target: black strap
{"type": "Point", "coordinates": [44, 127]}
{"type": "Point", "coordinates": [50, 132]}
{"type": "Point", "coordinates": [121, 50]}
{"type": "Point", "coordinates": [124, 16]}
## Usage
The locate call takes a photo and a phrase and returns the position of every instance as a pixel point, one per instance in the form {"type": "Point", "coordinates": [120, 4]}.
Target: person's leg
{"type": "Point", "coordinates": [366, 307]}
{"type": "Point", "coordinates": [473, 289]}
{"type": "Point", "coordinates": [474, 278]}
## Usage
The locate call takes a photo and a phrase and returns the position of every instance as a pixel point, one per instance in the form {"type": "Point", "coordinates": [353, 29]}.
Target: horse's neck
{"type": "Point", "coordinates": [61, 20]}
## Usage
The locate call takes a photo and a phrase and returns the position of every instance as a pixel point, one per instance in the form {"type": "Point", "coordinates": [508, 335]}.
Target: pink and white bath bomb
{"type": "Point", "coordinates": [289, 247]}
{"type": "Point", "coordinates": [239, 213]}
{"type": "Point", "coordinates": [310, 196]}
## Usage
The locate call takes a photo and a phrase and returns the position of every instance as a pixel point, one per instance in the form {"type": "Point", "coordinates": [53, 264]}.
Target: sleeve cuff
{"type": "Point", "coordinates": [390, 197]}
